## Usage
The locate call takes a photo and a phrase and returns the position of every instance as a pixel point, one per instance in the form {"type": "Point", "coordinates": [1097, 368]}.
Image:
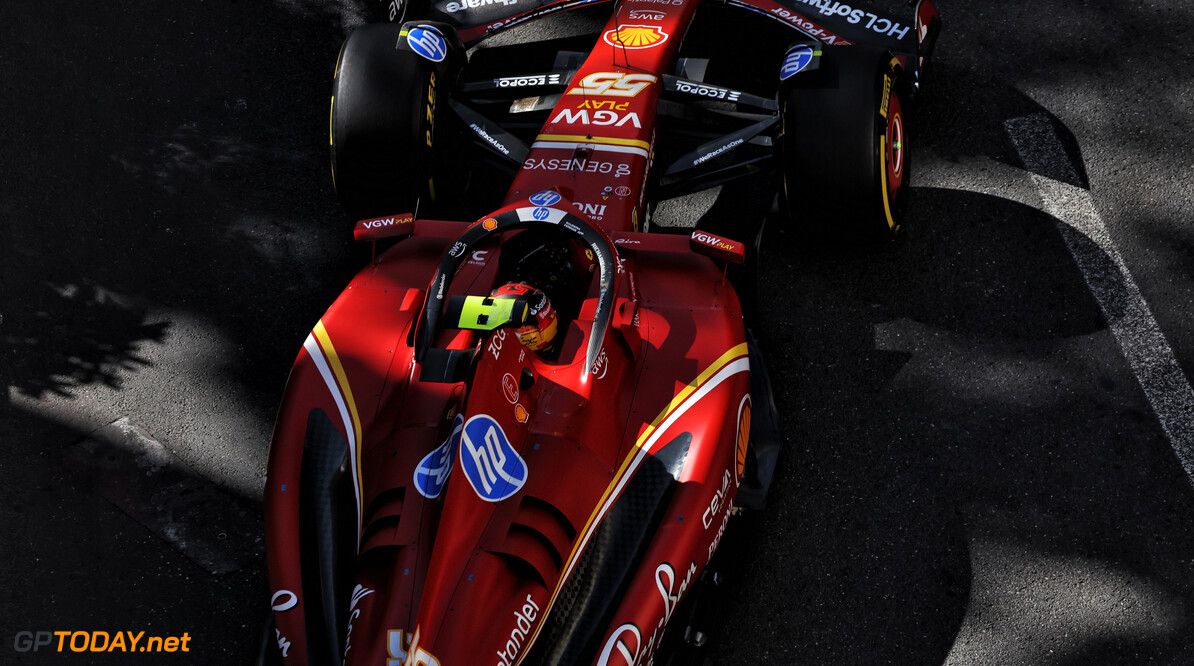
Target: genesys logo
{"type": "Point", "coordinates": [613, 84]}
{"type": "Point", "coordinates": [616, 169]}
{"type": "Point", "coordinates": [635, 36]}
{"type": "Point", "coordinates": [490, 463]}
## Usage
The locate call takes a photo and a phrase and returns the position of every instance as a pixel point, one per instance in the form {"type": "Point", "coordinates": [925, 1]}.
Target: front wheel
{"type": "Point", "coordinates": [844, 145]}
{"type": "Point", "coordinates": [387, 115]}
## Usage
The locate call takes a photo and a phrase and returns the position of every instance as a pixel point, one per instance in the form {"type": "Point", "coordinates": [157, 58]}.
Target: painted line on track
{"type": "Point", "coordinates": [1128, 316]}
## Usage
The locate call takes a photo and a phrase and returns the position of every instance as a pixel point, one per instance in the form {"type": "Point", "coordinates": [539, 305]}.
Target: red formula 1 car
{"type": "Point", "coordinates": [520, 439]}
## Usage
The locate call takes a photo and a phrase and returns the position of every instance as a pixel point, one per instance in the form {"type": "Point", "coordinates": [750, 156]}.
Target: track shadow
{"type": "Point", "coordinates": [166, 173]}
{"type": "Point", "coordinates": [962, 114]}
{"type": "Point", "coordinates": [181, 171]}
{"type": "Point", "coordinates": [955, 391]}
{"type": "Point", "coordinates": [77, 335]}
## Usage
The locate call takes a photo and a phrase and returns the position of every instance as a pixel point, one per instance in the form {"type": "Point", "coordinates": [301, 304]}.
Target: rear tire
{"type": "Point", "coordinates": [843, 146]}
{"type": "Point", "coordinates": [387, 113]}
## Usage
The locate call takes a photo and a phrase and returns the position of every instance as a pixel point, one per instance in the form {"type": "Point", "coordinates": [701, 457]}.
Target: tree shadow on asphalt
{"type": "Point", "coordinates": [180, 181]}
{"type": "Point", "coordinates": [75, 335]}
{"type": "Point", "coordinates": [179, 171]}
{"type": "Point", "coordinates": [956, 390]}
{"type": "Point", "coordinates": [949, 397]}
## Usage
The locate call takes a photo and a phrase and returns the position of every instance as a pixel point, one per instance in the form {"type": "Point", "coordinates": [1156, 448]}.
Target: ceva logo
{"type": "Point", "coordinates": [490, 463]}
{"type": "Point", "coordinates": [432, 473]}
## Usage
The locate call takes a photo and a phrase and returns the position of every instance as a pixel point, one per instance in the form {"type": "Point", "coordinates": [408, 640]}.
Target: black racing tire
{"type": "Point", "coordinates": [388, 106]}
{"type": "Point", "coordinates": [844, 148]}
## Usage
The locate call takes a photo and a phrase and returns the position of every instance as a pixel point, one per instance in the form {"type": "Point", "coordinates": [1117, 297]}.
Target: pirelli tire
{"type": "Point", "coordinates": [389, 114]}
{"type": "Point", "coordinates": [843, 145]}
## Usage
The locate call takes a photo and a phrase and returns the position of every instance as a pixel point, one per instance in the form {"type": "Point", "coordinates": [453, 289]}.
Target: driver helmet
{"type": "Point", "coordinates": [539, 333]}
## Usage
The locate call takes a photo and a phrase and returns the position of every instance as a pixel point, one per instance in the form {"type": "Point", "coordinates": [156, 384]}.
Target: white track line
{"type": "Point", "coordinates": [1128, 315]}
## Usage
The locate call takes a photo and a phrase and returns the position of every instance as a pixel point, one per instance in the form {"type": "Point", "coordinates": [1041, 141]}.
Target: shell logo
{"type": "Point", "coordinates": [489, 224]}
{"type": "Point", "coordinates": [635, 36]}
{"type": "Point", "coordinates": [743, 442]}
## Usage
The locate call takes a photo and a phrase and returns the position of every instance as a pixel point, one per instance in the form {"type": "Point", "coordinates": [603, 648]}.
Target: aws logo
{"type": "Point", "coordinates": [635, 36]}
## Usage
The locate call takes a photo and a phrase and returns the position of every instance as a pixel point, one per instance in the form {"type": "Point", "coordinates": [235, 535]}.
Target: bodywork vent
{"type": "Point", "coordinates": [541, 536]}
{"type": "Point", "coordinates": [382, 519]}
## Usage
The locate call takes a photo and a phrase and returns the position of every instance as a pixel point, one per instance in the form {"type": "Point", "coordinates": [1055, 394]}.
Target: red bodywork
{"type": "Point", "coordinates": [458, 572]}
{"type": "Point", "coordinates": [634, 440]}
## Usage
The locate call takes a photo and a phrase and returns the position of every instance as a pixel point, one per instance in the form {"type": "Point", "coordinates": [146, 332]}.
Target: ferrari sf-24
{"type": "Point", "coordinates": [520, 435]}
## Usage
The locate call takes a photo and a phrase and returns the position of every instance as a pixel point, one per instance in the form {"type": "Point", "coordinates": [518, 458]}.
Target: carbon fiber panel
{"type": "Point", "coordinates": [590, 596]}
{"type": "Point", "coordinates": [328, 545]}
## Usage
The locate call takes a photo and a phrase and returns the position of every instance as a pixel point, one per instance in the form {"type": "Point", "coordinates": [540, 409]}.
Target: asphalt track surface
{"type": "Point", "coordinates": [988, 424]}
